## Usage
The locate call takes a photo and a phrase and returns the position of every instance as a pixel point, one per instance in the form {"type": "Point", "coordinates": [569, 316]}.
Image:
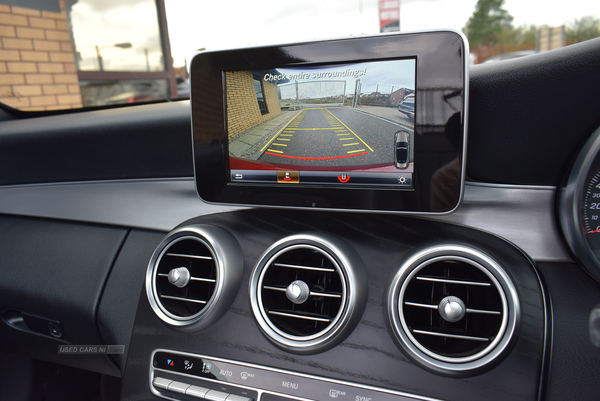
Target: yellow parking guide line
{"type": "Point", "coordinates": [354, 151]}
{"type": "Point", "coordinates": [278, 144]}
{"type": "Point", "coordinates": [279, 132]}
{"type": "Point", "coordinates": [273, 150]}
{"type": "Point", "coordinates": [346, 139]}
{"type": "Point", "coordinates": [358, 137]}
{"type": "Point", "coordinates": [286, 134]}
{"type": "Point", "coordinates": [307, 129]}
{"type": "Point", "coordinates": [284, 139]}
{"type": "Point", "coordinates": [342, 134]}
{"type": "Point", "coordinates": [351, 144]}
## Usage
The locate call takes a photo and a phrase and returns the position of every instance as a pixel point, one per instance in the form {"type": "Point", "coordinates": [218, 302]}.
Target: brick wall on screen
{"type": "Point", "coordinates": [37, 64]}
{"type": "Point", "coordinates": [243, 112]}
{"type": "Point", "coordinates": [272, 99]}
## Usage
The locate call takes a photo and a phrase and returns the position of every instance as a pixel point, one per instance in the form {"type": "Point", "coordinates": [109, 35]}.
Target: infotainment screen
{"type": "Point", "coordinates": [372, 123]}
{"type": "Point", "coordinates": [341, 125]}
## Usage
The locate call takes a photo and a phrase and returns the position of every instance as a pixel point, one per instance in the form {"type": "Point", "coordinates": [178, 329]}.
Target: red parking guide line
{"type": "Point", "coordinates": [317, 158]}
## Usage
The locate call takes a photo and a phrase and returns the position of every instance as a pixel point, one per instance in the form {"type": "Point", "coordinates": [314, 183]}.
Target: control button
{"type": "Point", "coordinates": [233, 397]}
{"type": "Point", "coordinates": [290, 177]}
{"type": "Point", "coordinates": [54, 330]}
{"type": "Point", "coordinates": [161, 382]}
{"type": "Point", "coordinates": [273, 397]}
{"type": "Point", "coordinates": [178, 387]}
{"type": "Point", "coordinates": [196, 391]}
{"type": "Point", "coordinates": [344, 178]}
{"type": "Point", "coordinates": [254, 176]}
{"type": "Point", "coordinates": [214, 395]}
{"type": "Point", "coordinates": [187, 365]}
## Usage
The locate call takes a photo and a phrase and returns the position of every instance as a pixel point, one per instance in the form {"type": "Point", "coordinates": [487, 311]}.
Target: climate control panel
{"type": "Point", "coordinates": [181, 376]}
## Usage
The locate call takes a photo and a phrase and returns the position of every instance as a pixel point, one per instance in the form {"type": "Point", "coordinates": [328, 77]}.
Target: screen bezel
{"type": "Point", "coordinates": [441, 64]}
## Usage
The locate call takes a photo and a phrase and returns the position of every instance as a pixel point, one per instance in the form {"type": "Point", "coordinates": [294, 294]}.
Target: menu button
{"type": "Point", "coordinates": [287, 384]}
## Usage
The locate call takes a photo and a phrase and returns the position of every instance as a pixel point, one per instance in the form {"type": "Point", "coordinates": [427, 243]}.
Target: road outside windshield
{"type": "Point", "coordinates": [61, 54]}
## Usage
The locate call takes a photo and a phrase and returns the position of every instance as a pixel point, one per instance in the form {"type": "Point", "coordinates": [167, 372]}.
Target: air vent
{"type": "Point", "coordinates": [453, 308]}
{"type": "Point", "coordinates": [187, 280]}
{"type": "Point", "coordinates": [186, 277]}
{"type": "Point", "coordinates": [305, 292]}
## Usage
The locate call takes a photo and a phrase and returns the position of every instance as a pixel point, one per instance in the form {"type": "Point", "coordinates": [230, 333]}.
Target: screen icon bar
{"type": "Point", "coordinates": [324, 178]}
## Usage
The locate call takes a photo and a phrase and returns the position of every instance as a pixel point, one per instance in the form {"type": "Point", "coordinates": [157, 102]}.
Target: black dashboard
{"type": "Point", "coordinates": [88, 198]}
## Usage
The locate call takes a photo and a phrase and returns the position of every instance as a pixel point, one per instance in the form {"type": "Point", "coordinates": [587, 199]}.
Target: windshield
{"type": "Point", "coordinates": [60, 54]}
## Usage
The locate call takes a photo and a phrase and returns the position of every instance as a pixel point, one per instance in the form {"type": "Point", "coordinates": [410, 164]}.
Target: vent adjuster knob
{"type": "Point", "coordinates": [452, 309]}
{"type": "Point", "coordinates": [179, 277]}
{"type": "Point", "coordinates": [297, 292]}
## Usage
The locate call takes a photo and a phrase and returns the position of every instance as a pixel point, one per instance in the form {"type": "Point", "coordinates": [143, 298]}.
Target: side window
{"type": "Point", "coordinates": [260, 96]}
{"type": "Point", "coordinates": [78, 53]}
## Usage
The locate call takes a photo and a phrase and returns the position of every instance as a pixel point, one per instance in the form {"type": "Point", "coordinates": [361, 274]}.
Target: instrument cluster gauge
{"type": "Point", "coordinates": [579, 207]}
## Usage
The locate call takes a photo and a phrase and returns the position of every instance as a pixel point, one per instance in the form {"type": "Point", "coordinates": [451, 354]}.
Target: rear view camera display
{"type": "Point", "coordinates": [334, 125]}
{"type": "Point", "coordinates": [372, 123]}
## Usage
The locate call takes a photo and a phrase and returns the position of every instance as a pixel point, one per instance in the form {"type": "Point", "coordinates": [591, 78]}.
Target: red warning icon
{"type": "Point", "coordinates": [344, 178]}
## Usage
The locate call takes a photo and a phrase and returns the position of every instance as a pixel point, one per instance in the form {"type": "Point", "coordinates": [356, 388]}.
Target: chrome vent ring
{"type": "Point", "coordinates": [309, 319]}
{"type": "Point", "coordinates": [193, 276]}
{"type": "Point", "coordinates": [307, 292]}
{"type": "Point", "coordinates": [452, 308]}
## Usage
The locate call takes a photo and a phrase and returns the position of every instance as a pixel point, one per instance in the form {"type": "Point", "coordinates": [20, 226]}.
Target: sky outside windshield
{"type": "Point", "coordinates": [65, 60]}
{"type": "Point", "coordinates": [240, 23]}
